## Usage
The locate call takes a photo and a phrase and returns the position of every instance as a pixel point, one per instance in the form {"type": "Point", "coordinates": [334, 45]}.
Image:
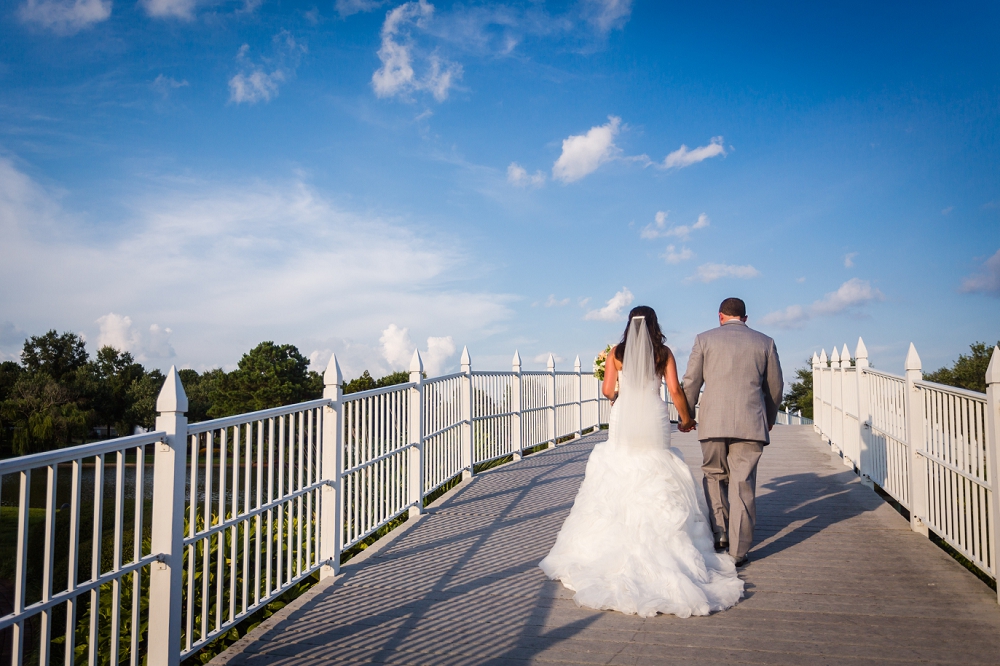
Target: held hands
{"type": "Point", "coordinates": [687, 426]}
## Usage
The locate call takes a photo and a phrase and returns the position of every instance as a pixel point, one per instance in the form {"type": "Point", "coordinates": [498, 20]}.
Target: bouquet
{"type": "Point", "coordinates": [599, 363]}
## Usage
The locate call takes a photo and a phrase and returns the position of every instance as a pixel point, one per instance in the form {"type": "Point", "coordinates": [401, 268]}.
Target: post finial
{"type": "Point", "coordinates": [551, 364]}
{"type": "Point", "coordinates": [172, 397]}
{"type": "Point", "coordinates": [466, 360]}
{"type": "Point", "coordinates": [835, 358]}
{"type": "Point", "coordinates": [861, 352]}
{"type": "Point", "coordinates": [845, 357]}
{"type": "Point", "coordinates": [993, 369]}
{"type": "Point", "coordinates": [576, 364]}
{"type": "Point", "coordinates": [912, 358]}
{"type": "Point", "coordinates": [822, 358]}
{"type": "Point", "coordinates": [416, 363]}
{"type": "Point", "coordinates": [333, 375]}
{"type": "Point", "coordinates": [515, 364]}
{"type": "Point", "coordinates": [815, 360]}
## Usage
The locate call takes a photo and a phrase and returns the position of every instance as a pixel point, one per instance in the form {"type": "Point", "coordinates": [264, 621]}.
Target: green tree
{"type": "Point", "coordinates": [58, 356]}
{"type": "Point", "coordinates": [366, 383]}
{"type": "Point", "coordinates": [44, 413]}
{"type": "Point", "coordinates": [269, 375]}
{"type": "Point", "coordinates": [108, 384]}
{"type": "Point", "coordinates": [10, 372]}
{"type": "Point", "coordinates": [968, 372]}
{"type": "Point", "coordinates": [800, 397]}
{"type": "Point", "coordinates": [201, 391]}
{"type": "Point", "coordinates": [141, 398]}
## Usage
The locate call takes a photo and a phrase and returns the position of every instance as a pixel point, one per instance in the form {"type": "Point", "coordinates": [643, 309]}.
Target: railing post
{"type": "Point", "coordinates": [416, 435]}
{"type": "Point", "coordinates": [836, 398]}
{"type": "Point", "coordinates": [167, 531]}
{"type": "Point", "coordinates": [468, 454]}
{"type": "Point", "coordinates": [551, 367]}
{"type": "Point", "coordinates": [824, 370]}
{"type": "Point", "coordinates": [579, 397]}
{"type": "Point", "coordinates": [817, 404]}
{"type": "Point", "coordinates": [915, 442]}
{"type": "Point", "coordinates": [864, 415]}
{"type": "Point", "coordinates": [845, 364]}
{"type": "Point", "coordinates": [331, 531]}
{"type": "Point", "coordinates": [993, 454]}
{"type": "Point", "coordinates": [516, 444]}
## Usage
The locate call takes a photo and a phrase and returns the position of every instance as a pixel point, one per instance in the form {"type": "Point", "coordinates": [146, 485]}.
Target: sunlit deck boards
{"type": "Point", "coordinates": [836, 577]}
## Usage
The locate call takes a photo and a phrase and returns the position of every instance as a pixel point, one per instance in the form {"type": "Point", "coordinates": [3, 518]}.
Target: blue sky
{"type": "Point", "coordinates": [184, 179]}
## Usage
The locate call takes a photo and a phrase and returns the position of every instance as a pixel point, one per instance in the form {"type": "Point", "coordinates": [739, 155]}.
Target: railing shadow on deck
{"type": "Point", "coordinates": [483, 550]}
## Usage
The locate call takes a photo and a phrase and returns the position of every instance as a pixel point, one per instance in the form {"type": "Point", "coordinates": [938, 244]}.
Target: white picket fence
{"type": "Point", "coordinates": [932, 448]}
{"type": "Point", "coordinates": [245, 507]}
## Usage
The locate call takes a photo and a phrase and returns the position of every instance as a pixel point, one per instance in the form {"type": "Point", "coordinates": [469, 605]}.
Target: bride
{"type": "Point", "coordinates": [637, 539]}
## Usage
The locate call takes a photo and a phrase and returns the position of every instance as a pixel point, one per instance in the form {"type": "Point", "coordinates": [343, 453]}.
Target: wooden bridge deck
{"type": "Point", "coordinates": [836, 577]}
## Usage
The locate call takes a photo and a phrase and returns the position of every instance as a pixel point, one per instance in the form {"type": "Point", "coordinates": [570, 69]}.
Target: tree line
{"type": "Point", "coordinates": [58, 395]}
{"type": "Point", "coordinates": [968, 372]}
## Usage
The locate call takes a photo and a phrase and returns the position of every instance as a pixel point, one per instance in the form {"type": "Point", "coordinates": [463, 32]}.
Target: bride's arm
{"type": "Point", "coordinates": [680, 400]}
{"type": "Point", "coordinates": [610, 375]}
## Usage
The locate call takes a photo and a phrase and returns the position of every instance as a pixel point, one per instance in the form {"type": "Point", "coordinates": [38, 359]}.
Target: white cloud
{"type": "Point", "coordinates": [851, 295]}
{"type": "Point", "coordinates": [613, 310]}
{"type": "Point", "coordinates": [849, 259]}
{"type": "Point", "coordinates": [518, 175]}
{"type": "Point", "coordinates": [396, 76]}
{"type": "Point", "coordinates": [658, 229]}
{"type": "Point", "coordinates": [165, 84]}
{"type": "Point", "coordinates": [606, 15]}
{"type": "Point", "coordinates": [675, 256]}
{"type": "Point", "coordinates": [583, 302]}
{"type": "Point", "coordinates": [987, 280]}
{"type": "Point", "coordinates": [543, 358]}
{"type": "Point", "coordinates": [948, 210]}
{"type": "Point", "coordinates": [554, 302]}
{"type": "Point", "coordinates": [180, 9]}
{"type": "Point", "coordinates": [65, 17]}
{"type": "Point", "coordinates": [397, 348]}
{"type": "Point", "coordinates": [348, 7]}
{"type": "Point", "coordinates": [228, 265]}
{"type": "Point", "coordinates": [683, 157]}
{"type": "Point", "coordinates": [712, 272]}
{"type": "Point", "coordinates": [583, 153]}
{"type": "Point", "coordinates": [254, 83]}
{"type": "Point", "coordinates": [116, 331]}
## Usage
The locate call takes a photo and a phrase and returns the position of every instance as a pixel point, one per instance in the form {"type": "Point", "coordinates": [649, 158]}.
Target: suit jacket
{"type": "Point", "coordinates": [743, 385]}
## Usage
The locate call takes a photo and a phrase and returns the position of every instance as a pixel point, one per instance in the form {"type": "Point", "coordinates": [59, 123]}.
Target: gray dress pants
{"type": "Point", "coordinates": [730, 467]}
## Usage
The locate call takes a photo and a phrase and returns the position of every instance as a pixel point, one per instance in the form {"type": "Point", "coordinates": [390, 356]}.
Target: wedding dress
{"type": "Point", "coordinates": [637, 539]}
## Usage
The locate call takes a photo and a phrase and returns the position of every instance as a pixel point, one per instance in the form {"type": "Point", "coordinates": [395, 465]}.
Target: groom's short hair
{"type": "Point", "coordinates": [733, 307]}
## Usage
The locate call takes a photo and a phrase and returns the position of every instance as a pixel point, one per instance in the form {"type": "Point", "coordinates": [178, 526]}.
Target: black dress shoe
{"type": "Point", "coordinates": [721, 542]}
{"type": "Point", "coordinates": [743, 561]}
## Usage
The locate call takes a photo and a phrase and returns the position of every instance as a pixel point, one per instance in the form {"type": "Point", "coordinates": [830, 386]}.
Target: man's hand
{"type": "Point", "coordinates": [687, 427]}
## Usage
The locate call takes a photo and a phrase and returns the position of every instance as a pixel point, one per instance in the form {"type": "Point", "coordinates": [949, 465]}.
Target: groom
{"type": "Point", "coordinates": [742, 376]}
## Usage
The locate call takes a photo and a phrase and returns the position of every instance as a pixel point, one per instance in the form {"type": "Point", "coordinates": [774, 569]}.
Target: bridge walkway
{"type": "Point", "coordinates": [836, 577]}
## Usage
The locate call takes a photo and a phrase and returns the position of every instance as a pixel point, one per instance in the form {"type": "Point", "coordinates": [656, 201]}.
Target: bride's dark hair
{"type": "Point", "coordinates": [660, 351]}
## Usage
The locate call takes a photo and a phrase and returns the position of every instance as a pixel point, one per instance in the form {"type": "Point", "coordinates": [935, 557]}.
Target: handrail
{"type": "Point", "coordinates": [953, 390]}
{"type": "Point", "coordinates": [260, 415]}
{"type": "Point", "coordinates": [71, 453]}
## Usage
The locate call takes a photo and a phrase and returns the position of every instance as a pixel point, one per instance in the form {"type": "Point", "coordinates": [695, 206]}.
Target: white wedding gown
{"type": "Point", "coordinates": [637, 539]}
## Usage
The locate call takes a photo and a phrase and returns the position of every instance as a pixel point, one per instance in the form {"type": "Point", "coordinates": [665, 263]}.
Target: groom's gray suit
{"type": "Point", "coordinates": [743, 385]}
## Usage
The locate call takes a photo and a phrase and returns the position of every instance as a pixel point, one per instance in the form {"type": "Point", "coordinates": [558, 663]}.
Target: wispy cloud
{"type": "Point", "coordinates": [164, 85]}
{"type": "Point", "coordinates": [948, 210]}
{"type": "Point", "coordinates": [396, 76]}
{"type": "Point", "coordinates": [675, 256]}
{"type": "Point", "coordinates": [254, 83]}
{"type": "Point", "coordinates": [246, 250]}
{"type": "Point", "coordinates": [178, 9]}
{"type": "Point", "coordinates": [544, 358]}
{"type": "Point", "coordinates": [519, 176]}
{"type": "Point", "coordinates": [850, 296]}
{"type": "Point", "coordinates": [682, 157]}
{"type": "Point", "coordinates": [659, 229]}
{"type": "Point", "coordinates": [849, 259]}
{"type": "Point", "coordinates": [582, 154]}
{"type": "Point", "coordinates": [711, 272]}
{"type": "Point", "coordinates": [65, 17]}
{"type": "Point", "coordinates": [152, 345]}
{"type": "Point", "coordinates": [613, 310]}
{"type": "Point", "coordinates": [987, 279]}
{"type": "Point", "coordinates": [348, 7]}
{"type": "Point", "coordinates": [607, 15]}
{"type": "Point", "coordinates": [554, 302]}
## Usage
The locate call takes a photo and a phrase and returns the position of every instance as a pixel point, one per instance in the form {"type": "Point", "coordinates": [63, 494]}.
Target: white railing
{"type": "Point", "coordinates": [193, 528]}
{"type": "Point", "coordinates": [932, 448]}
